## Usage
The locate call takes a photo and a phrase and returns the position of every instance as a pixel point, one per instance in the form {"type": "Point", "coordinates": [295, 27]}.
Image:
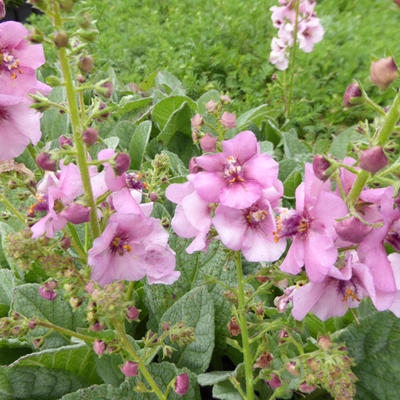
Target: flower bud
{"type": "Point", "coordinates": [44, 161]}
{"type": "Point", "coordinates": [233, 327]}
{"type": "Point", "coordinates": [165, 326]}
{"type": "Point", "coordinates": [32, 324]}
{"type": "Point", "coordinates": [47, 294]}
{"type": "Point", "coordinates": [64, 141]}
{"type": "Point", "coordinates": [193, 166]}
{"type": "Point", "coordinates": [225, 99]}
{"type": "Point", "coordinates": [84, 20]}
{"type": "Point", "coordinates": [153, 196]}
{"type": "Point", "coordinates": [383, 72]}
{"type": "Point", "coordinates": [264, 360]}
{"type": "Point", "coordinates": [122, 163]}
{"type": "Point", "coordinates": [67, 5]}
{"type": "Point", "coordinates": [76, 213]}
{"type": "Point", "coordinates": [65, 243]}
{"type": "Point", "coordinates": [109, 89]}
{"type": "Point", "coordinates": [197, 122]}
{"type": "Point", "coordinates": [353, 91]}
{"type": "Point", "coordinates": [99, 347]}
{"type": "Point", "coordinates": [211, 106]}
{"type": "Point", "coordinates": [38, 343]}
{"type": "Point", "coordinates": [291, 367]}
{"type": "Point", "coordinates": [130, 369]}
{"type": "Point", "coordinates": [182, 384]}
{"type": "Point", "coordinates": [274, 382]}
{"type": "Point", "coordinates": [320, 166]}
{"type": "Point", "coordinates": [90, 136]}
{"type": "Point", "coordinates": [397, 2]}
{"type": "Point", "coordinates": [228, 120]}
{"type": "Point", "coordinates": [352, 230]}
{"type": "Point", "coordinates": [86, 64]}
{"type": "Point", "coordinates": [305, 388]}
{"type": "Point", "coordinates": [283, 334]}
{"type": "Point", "coordinates": [132, 313]}
{"type": "Point", "coordinates": [60, 39]}
{"type": "Point", "coordinates": [35, 36]}
{"type": "Point", "coordinates": [208, 143]}
{"type": "Point", "coordinates": [2, 9]}
{"type": "Point", "coordinates": [373, 159]}
{"type": "Point", "coordinates": [75, 302]}
{"type": "Point", "coordinates": [324, 342]}
{"type": "Point", "coordinates": [97, 326]}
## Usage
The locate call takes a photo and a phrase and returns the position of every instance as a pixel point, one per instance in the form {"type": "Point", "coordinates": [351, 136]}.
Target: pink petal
{"type": "Point", "coordinates": [240, 194]}
{"type": "Point", "coordinates": [294, 259]}
{"type": "Point", "coordinates": [305, 297]}
{"type": "Point", "coordinates": [208, 185]}
{"type": "Point", "coordinates": [243, 146]}
{"type": "Point", "coordinates": [262, 169]}
{"type": "Point", "coordinates": [177, 191]}
{"type": "Point", "coordinates": [211, 162]}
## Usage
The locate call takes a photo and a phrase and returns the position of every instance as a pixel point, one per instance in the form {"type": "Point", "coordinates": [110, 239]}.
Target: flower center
{"type": "Point", "coordinates": [290, 223]}
{"type": "Point", "coordinates": [10, 62]}
{"type": "Point", "coordinates": [233, 170]}
{"type": "Point", "coordinates": [4, 115]}
{"type": "Point", "coordinates": [255, 217]}
{"type": "Point", "coordinates": [133, 181]}
{"type": "Point", "coordinates": [120, 245]}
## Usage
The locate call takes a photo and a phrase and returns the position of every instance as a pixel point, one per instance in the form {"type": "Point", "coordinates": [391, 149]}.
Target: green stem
{"type": "Point", "coordinates": [65, 331]}
{"type": "Point", "coordinates": [12, 208]}
{"type": "Point", "coordinates": [248, 365]}
{"type": "Point", "coordinates": [293, 59]}
{"type": "Point", "coordinates": [76, 131]}
{"type": "Point", "coordinates": [130, 349]}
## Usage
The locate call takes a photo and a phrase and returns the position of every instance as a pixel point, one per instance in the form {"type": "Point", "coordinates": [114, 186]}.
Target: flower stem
{"type": "Point", "coordinates": [248, 367]}
{"type": "Point", "coordinates": [292, 61]}
{"type": "Point", "coordinates": [12, 208]}
{"type": "Point", "coordinates": [65, 331]}
{"type": "Point", "coordinates": [131, 350]}
{"type": "Point", "coordinates": [76, 131]}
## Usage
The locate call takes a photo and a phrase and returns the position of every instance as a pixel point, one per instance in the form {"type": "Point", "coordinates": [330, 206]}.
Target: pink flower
{"type": "Point", "coordinates": [19, 60]}
{"type": "Point", "coordinates": [192, 215]}
{"type": "Point", "coordinates": [130, 369]}
{"type": "Point", "coordinates": [341, 289]}
{"type": "Point", "coordinates": [250, 230]}
{"type": "Point", "coordinates": [394, 259]}
{"type": "Point", "coordinates": [279, 54]}
{"type": "Point", "coordinates": [274, 382]}
{"type": "Point", "coordinates": [228, 120]}
{"type": "Point", "coordinates": [19, 124]}
{"type": "Point", "coordinates": [237, 176]}
{"type": "Point", "coordinates": [310, 32]}
{"type": "Point", "coordinates": [132, 246]}
{"type": "Point", "coordinates": [312, 228]}
{"type": "Point", "coordinates": [182, 384]}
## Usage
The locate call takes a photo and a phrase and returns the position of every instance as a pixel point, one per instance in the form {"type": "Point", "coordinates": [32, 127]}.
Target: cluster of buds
{"type": "Point", "coordinates": [292, 15]}
{"type": "Point", "coordinates": [179, 333]}
{"type": "Point", "coordinates": [153, 179]}
{"type": "Point", "coordinates": [16, 326]}
{"type": "Point", "coordinates": [224, 120]}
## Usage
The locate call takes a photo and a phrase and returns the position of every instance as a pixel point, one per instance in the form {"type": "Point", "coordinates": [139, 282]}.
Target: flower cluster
{"type": "Point", "coordinates": [234, 193]}
{"type": "Point", "coordinates": [19, 124]}
{"type": "Point", "coordinates": [309, 29]}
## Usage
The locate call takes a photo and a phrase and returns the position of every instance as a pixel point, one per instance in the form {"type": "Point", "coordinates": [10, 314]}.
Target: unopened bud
{"type": "Point", "coordinates": [130, 369]}
{"type": "Point", "coordinates": [306, 388]}
{"type": "Point", "coordinates": [264, 360]}
{"type": "Point", "coordinates": [274, 382]}
{"type": "Point", "coordinates": [44, 161]}
{"type": "Point", "coordinates": [228, 120]}
{"type": "Point", "coordinates": [64, 141]}
{"type": "Point", "coordinates": [122, 163]}
{"type": "Point", "coordinates": [283, 335]}
{"type": "Point", "coordinates": [320, 166]}
{"type": "Point", "coordinates": [35, 36]}
{"type": "Point", "coordinates": [383, 72]}
{"type": "Point", "coordinates": [225, 99]}
{"type": "Point", "coordinates": [67, 5]}
{"type": "Point", "coordinates": [65, 243]}
{"type": "Point", "coordinates": [165, 326]}
{"type": "Point", "coordinates": [76, 213]}
{"type": "Point", "coordinates": [38, 343]}
{"type": "Point", "coordinates": [208, 143]}
{"type": "Point", "coordinates": [132, 313]}
{"type": "Point", "coordinates": [182, 384]}
{"type": "Point", "coordinates": [352, 92]}
{"type": "Point", "coordinates": [88, 34]}
{"type": "Point", "coordinates": [108, 86]}
{"type": "Point", "coordinates": [197, 122]}
{"type": "Point", "coordinates": [99, 347]}
{"type": "Point", "coordinates": [291, 367]}
{"type": "Point", "coordinates": [324, 342]}
{"type": "Point", "coordinates": [32, 324]}
{"type": "Point", "coordinates": [90, 136]}
{"type": "Point", "coordinates": [47, 294]}
{"type": "Point", "coordinates": [86, 64]}
{"type": "Point", "coordinates": [153, 196]}
{"type": "Point", "coordinates": [97, 326]}
{"type": "Point", "coordinates": [75, 302]}
{"type": "Point", "coordinates": [84, 20]}
{"type": "Point", "coordinates": [352, 230]}
{"type": "Point", "coordinates": [211, 106]}
{"type": "Point", "coordinates": [233, 327]}
{"type": "Point", "coordinates": [373, 159]}
{"type": "Point", "coordinates": [60, 39]}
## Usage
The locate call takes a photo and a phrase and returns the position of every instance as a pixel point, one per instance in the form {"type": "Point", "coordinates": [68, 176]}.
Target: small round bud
{"type": "Point", "coordinates": [383, 72]}
{"type": "Point", "coordinates": [90, 136]}
{"type": "Point", "coordinates": [81, 79]}
{"type": "Point", "coordinates": [225, 99]}
{"type": "Point", "coordinates": [64, 141]}
{"type": "Point", "coordinates": [67, 5]}
{"type": "Point", "coordinates": [109, 89]}
{"type": "Point", "coordinates": [86, 64]}
{"type": "Point", "coordinates": [99, 347]}
{"type": "Point", "coordinates": [75, 302]}
{"type": "Point", "coordinates": [32, 324]}
{"type": "Point", "coordinates": [165, 326]}
{"type": "Point", "coordinates": [373, 159]}
{"type": "Point", "coordinates": [324, 342]}
{"type": "Point", "coordinates": [44, 161]}
{"type": "Point", "coordinates": [84, 20]}
{"type": "Point", "coordinates": [320, 166]}
{"type": "Point", "coordinates": [305, 388]}
{"type": "Point", "coordinates": [47, 294]}
{"type": "Point", "coordinates": [122, 163]}
{"type": "Point", "coordinates": [211, 106]}
{"type": "Point", "coordinates": [97, 326]}
{"type": "Point", "coordinates": [197, 122]}
{"type": "Point", "coordinates": [65, 243]}
{"type": "Point", "coordinates": [35, 36]}
{"type": "Point", "coordinates": [208, 143]}
{"type": "Point", "coordinates": [60, 39]}
{"type": "Point", "coordinates": [130, 369]}
{"type": "Point", "coordinates": [274, 382]}
{"type": "Point", "coordinates": [153, 196]}
{"type": "Point", "coordinates": [182, 384]}
{"type": "Point", "coordinates": [233, 327]}
{"type": "Point", "coordinates": [38, 343]}
{"type": "Point", "coordinates": [89, 287]}
{"type": "Point", "coordinates": [228, 120]}
{"type": "Point", "coordinates": [352, 92]}
{"type": "Point", "coordinates": [132, 313]}
{"type": "Point", "coordinates": [291, 367]}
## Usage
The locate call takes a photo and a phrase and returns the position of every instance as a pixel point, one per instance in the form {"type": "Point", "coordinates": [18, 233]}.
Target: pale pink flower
{"type": "Point", "coordinates": [279, 55]}
{"type": "Point", "coordinates": [19, 124]}
{"type": "Point", "coordinates": [310, 33]}
{"type": "Point", "coordinates": [237, 176]}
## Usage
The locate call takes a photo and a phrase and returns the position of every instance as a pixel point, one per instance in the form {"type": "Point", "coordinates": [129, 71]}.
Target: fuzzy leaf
{"type": "Point", "coordinates": [138, 143]}
{"type": "Point", "coordinates": [7, 285]}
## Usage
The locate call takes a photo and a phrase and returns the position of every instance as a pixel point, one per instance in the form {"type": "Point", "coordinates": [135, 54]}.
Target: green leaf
{"type": "Point", "coordinates": [124, 131]}
{"type": "Point", "coordinates": [291, 182]}
{"type": "Point", "coordinates": [53, 124]}
{"type": "Point", "coordinates": [294, 148]}
{"type": "Point", "coordinates": [163, 373]}
{"type": "Point", "coordinates": [108, 368]}
{"type": "Point", "coordinates": [255, 115]}
{"type": "Point", "coordinates": [11, 350]}
{"type": "Point", "coordinates": [267, 147]}
{"type": "Point", "coordinates": [211, 378]}
{"type": "Point", "coordinates": [169, 83]}
{"type": "Point", "coordinates": [7, 285]}
{"type": "Point", "coordinates": [78, 359]}
{"type": "Point", "coordinates": [225, 391]}
{"type": "Point", "coordinates": [138, 144]}
{"type": "Point", "coordinates": [340, 145]}
{"type": "Point", "coordinates": [178, 121]}
{"type": "Point", "coordinates": [375, 345]}
{"type": "Point", "coordinates": [36, 383]}
{"type": "Point", "coordinates": [28, 302]}
{"type": "Point", "coordinates": [111, 142]}
{"type": "Point", "coordinates": [195, 309]}
{"type": "Point", "coordinates": [131, 103]}
{"type": "Point", "coordinates": [177, 166]}
{"type": "Point", "coordinates": [166, 107]}
{"type": "Point", "coordinates": [205, 98]}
